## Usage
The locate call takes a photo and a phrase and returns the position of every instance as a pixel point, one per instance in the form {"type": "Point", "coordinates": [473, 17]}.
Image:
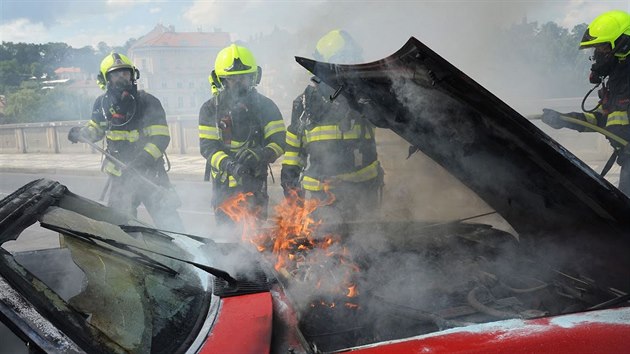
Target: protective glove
{"type": "Point", "coordinates": [553, 119]}
{"type": "Point", "coordinates": [75, 134]}
{"type": "Point", "coordinates": [141, 162]}
{"type": "Point", "coordinates": [234, 168]}
{"type": "Point", "coordinates": [256, 158]}
{"type": "Point", "coordinates": [290, 182]}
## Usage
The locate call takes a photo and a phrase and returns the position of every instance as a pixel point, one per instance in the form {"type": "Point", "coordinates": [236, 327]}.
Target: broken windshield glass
{"type": "Point", "coordinates": [140, 300]}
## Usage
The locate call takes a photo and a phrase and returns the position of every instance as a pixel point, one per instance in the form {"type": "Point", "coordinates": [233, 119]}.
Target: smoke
{"type": "Point", "coordinates": [464, 32]}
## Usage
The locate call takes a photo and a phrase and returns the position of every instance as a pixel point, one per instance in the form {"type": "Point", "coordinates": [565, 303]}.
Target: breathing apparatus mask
{"type": "Point", "coordinates": [238, 87]}
{"type": "Point", "coordinates": [119, 103]}
{"type": "Point", "coordinates": [604, 61]}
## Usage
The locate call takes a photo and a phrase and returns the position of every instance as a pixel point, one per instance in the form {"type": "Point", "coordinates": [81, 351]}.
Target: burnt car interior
{"type": "Point", "coordinates": [537, 233]}
{"type": "Point", "coordinates": [110, 290]}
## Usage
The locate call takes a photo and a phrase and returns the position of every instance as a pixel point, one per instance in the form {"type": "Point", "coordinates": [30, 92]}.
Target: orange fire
{"type": "Point", "coordinates": [352, 291]}
{"type": "Point", "coordinates": [300, 252]}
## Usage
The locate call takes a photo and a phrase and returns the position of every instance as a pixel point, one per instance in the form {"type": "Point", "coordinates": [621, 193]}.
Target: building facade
{"type": "Point", "coordinates": [174, 67]}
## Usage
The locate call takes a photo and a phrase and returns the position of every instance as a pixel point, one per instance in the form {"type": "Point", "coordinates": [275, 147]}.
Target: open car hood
{"type": "Point", "coordinates": [549, 196]}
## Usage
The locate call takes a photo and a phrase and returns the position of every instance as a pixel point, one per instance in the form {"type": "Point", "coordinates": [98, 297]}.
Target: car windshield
{"type": "Point", "coordinates": [120, 291]}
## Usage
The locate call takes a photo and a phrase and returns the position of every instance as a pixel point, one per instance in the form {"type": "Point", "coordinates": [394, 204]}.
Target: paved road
{"type": "Point", "coordinates": [196, 212]}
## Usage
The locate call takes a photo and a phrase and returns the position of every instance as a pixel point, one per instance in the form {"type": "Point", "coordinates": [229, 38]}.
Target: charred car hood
{"type": "Point", "coordinates": [549, 196]}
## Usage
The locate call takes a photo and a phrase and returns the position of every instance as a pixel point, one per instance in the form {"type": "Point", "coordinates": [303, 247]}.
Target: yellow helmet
{"type": "Point", "coordinates": [115, 61]}
{"type": "Point", "coordinates": [338, 46]}
{"type": "Point", "coordinates": [612, 27]}
{"type": "Point", "coordinates": [234, 60]}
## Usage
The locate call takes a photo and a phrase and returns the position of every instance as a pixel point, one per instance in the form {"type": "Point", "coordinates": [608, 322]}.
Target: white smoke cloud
{"type": "Point", "coordinates": [23, 30]}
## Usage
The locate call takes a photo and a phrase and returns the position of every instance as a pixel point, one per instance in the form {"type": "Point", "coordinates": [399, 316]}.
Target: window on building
{"type": "Point", "coordinates": [192, 101]}
{"type": "Point", "coordinates": [191, 84]}
{"type": "Point", "coordinates": [164, 84]}
{"type": "Point", "coordinates": [180, 102]}
{"type": "Point", "coordinates": [179, 84]}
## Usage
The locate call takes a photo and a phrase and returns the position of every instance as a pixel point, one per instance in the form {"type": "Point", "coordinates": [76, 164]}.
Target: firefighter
{"type": "Point", "coordinates": [331, 148]}
{"type": "Point", "coordinates": [609, 35]}
{"type": "Point", "coordinates": [240, 133]}
{"type": "Point", "coordinates": [134, 125]}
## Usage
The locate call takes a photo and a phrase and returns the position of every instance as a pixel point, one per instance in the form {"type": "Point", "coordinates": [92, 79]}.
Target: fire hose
{"type": "Point", "coordinates": [608, 134]}
{"type": "Point", "coordinates": [588, 125]}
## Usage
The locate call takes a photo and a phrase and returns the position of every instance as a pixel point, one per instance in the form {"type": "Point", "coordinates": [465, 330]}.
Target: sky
{"type": "Point", "coordinates": [88, 22]}
{"type": "Point", "coordinates": [458, 30]}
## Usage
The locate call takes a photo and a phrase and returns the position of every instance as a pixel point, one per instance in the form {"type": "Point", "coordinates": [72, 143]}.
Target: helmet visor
{"type": "Point", "coordinates": [243, 81]}
{"type": "Point", "coordinates": [120, 78]}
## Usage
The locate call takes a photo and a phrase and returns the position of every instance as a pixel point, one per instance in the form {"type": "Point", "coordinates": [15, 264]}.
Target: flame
{"type": "Point", "coordinates": [306, 253]}
{"type": "Point", "coordinates": [240, 210]}
{"type": "Point", "coordinates": [300, 252]}
{"type": "Point", "coordinates": [352, 291]}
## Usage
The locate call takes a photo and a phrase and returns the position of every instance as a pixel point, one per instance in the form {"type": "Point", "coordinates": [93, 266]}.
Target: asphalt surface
{"type": "Point", "coordinates": [82, 175]}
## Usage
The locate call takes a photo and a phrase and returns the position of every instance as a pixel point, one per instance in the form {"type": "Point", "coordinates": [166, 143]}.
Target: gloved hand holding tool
{"type": "Point", "coordinates": [256, 159]}
{"type": "Point", "coordinates": [234, 168]}
{"type": "Point", "coordinates": [75, 134]}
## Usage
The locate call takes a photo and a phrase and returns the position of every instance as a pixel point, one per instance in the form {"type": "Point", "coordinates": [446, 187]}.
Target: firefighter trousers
{"type": "Point", "coordinates": [129, 191]}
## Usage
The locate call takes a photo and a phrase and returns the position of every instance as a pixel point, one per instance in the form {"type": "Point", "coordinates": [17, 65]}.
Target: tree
{"type": "Point", "coordinates": [23, 106]}
{"type": "Point", "coordinates": [10, 77]}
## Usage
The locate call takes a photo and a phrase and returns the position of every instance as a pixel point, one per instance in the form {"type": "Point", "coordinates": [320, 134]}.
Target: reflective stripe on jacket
{"type": "Point", "coordinates": [365, 174]}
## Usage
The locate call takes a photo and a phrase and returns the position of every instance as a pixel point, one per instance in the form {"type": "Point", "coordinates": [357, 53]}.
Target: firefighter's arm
{"type": "Point", "coordinates": [293, 155]}
{"type": "Point", "coordinates": [618, 125]}
{"type": "Point", "coordinates": [155, 130]}
{"type": "Point", "coordinates": [210, 144]}
{"type": "Point", "coordinates": [559, 120]}
{"type": "Point", "coordinates": [274, 133]}
{"type": "Point", "coordinates": [294, 161]}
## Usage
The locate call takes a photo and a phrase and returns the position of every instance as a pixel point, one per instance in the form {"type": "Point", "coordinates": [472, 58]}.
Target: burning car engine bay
{"type": "Point", "coordinates": [380, 281]}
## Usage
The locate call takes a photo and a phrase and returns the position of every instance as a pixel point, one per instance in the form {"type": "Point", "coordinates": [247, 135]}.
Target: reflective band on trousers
{"type": "Point", "coordinates": [365, 174]}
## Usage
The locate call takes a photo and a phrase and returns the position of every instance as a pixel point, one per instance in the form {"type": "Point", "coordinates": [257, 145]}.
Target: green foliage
{"type": "Point", "coordinates": [23, 67]}
{"type": "Point", "coordinates": [30, 104]}
{"type": "Point", "coordinates": [23, 106]}
{"type": "Point", "coordinates": [10, 76]}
